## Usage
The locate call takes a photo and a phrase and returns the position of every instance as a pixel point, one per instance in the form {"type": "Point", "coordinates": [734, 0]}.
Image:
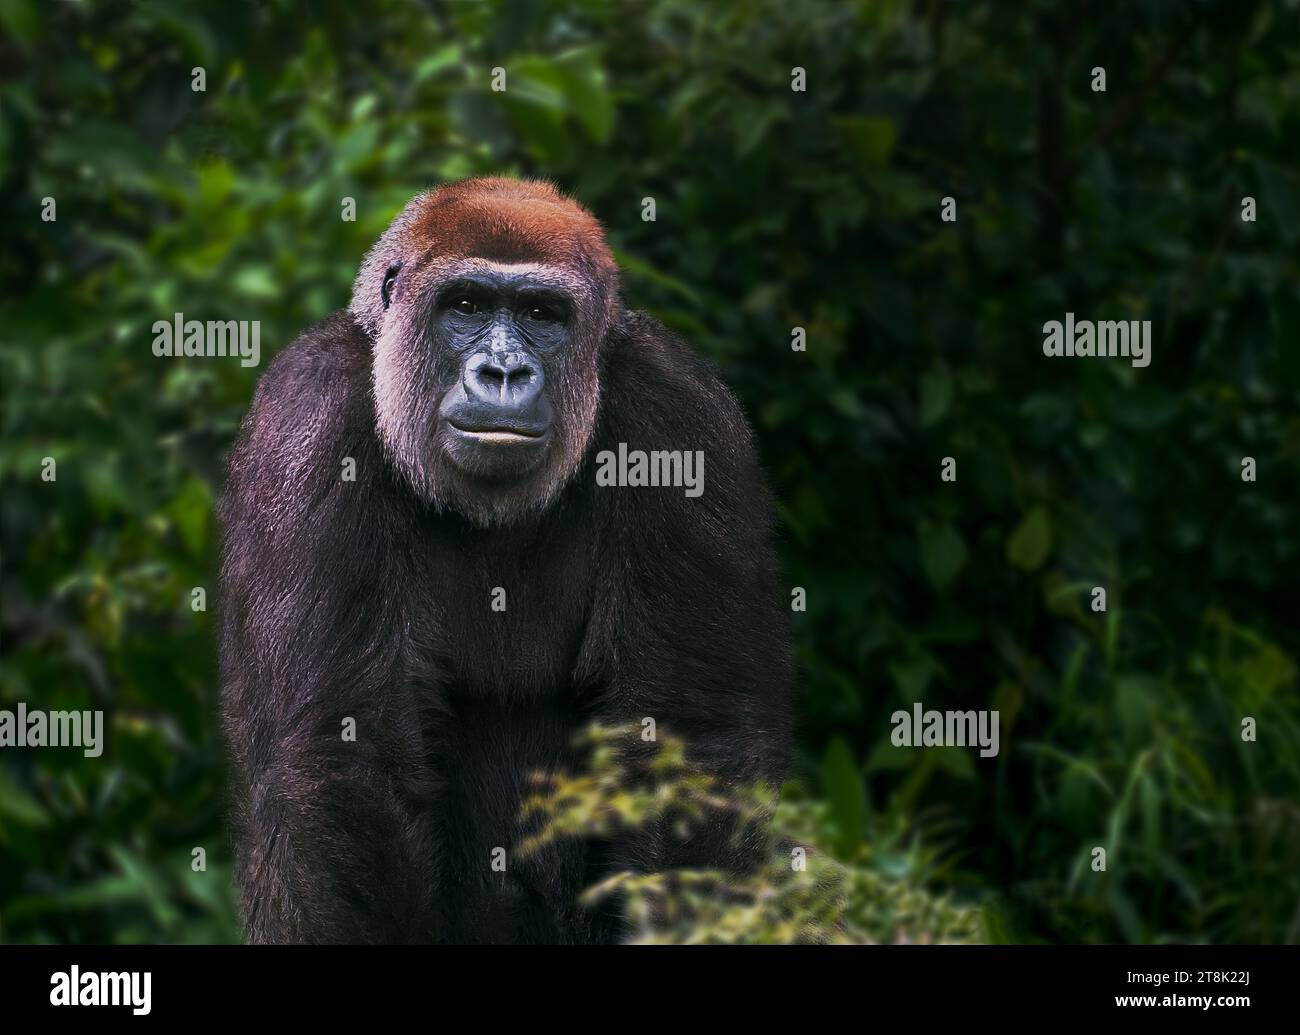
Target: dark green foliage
{"type": "Point", "coordinates": [775, 209]}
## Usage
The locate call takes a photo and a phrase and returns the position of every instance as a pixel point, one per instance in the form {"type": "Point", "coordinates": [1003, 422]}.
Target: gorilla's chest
{"type": "Point", "coordinates": [511, 608]}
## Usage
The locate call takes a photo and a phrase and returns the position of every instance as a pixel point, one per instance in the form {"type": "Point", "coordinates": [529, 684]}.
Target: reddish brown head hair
{"type": "Point", "coordinates": [492, 218]}
{"type": "Point", "coordinates": [510, 221]}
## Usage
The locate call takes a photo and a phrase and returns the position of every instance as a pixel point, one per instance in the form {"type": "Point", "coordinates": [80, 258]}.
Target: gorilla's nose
{"type": "Point", "coordinates": [508, 381]}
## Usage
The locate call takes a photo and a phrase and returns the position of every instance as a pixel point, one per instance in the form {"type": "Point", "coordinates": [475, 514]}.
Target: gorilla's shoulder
{"type": "Point", "coordinates": [660, 395]}
{"type": "Point", "coordinates": [317, 380]}
{"type": "Point", "coordinates": [323, 358]}
{"type": "Point", "coordinates": [312, 406]}
{"type": "Point", "coordinates": [660, 391]}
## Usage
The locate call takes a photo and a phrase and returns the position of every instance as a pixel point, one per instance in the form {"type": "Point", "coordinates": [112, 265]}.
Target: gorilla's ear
{"type": "Point", "coordinates": [390, 278]}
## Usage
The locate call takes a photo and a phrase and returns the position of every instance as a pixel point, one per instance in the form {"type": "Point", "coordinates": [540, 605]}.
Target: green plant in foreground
{"type": "Point", "coordinates": [795, 894]}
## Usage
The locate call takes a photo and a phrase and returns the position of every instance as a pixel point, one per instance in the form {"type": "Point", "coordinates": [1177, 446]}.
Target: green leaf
{"type": "Point", "coordinates": [936, 397]}
{"type": "Point", "coordinates": [943, 554]}
{"type": "Point", "coordinates": [956, 760]}
{"type": "Point", "coordinates": [887, 756]}
{"type": "Point", "coordinates": [190, 509]}
{"type": "Point", "coordinates": [846, 796]}
{"type": "Point", "coordinates": [1008, 699]}
{"type": "Point", "coordinates": [437, 61]}
{"type": "Point", "coordinates": [869, 137]}
{"type": "Point", "coordinates": [1031, 542]}
{"type": "Point", "coordinates": [19, 806]}
{"type": "Point", "coordinates": [584, 81]}
{"type": "Point", "coordinates": [256, 282]}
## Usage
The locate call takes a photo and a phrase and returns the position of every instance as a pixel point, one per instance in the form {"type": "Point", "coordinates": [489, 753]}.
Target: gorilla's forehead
{"type": "Point", "coordinates": [542, 274]}
{"type": "Point", "coordinates": [508, 221]}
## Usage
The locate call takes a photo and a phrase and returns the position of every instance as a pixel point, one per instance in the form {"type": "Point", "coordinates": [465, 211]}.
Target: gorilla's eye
{"type": "Point", "coordinates": [386, 291]}
{"type": "Point", "coordinates": [465, 306]}
{"type": "Point", "coordinates": [544, 314]}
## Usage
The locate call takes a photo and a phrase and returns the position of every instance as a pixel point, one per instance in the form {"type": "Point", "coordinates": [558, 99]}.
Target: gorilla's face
{"type": "Point", "coordinates": [488, 306]}
{"type": "Point", "coordinates": [499, 330]}
{"type": "Point", "coordinates": [485, 385]}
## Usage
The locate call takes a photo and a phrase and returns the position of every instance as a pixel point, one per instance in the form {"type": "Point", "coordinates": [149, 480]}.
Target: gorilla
{"type": "Point", "coordinates": [428, 592]}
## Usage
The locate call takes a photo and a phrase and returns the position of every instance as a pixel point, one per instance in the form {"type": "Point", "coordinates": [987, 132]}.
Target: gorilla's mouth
{"type": "Point", "coordinates": [501, 434]}
{"type": "Point", "coordinates": [494, 446]}
{"type": "Point", "coordinates": [496, 439]}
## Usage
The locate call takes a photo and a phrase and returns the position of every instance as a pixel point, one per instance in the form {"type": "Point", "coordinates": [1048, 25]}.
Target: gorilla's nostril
{"type": "Point", "coordinates": [510, 380]}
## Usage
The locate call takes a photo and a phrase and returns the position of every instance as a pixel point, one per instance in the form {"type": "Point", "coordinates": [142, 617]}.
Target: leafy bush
{"type": "Point", "coordinates": [795, 893]}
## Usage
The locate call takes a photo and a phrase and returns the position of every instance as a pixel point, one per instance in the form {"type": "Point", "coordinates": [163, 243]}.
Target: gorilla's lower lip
{"type": "Point", "coordinates": [501, 434]}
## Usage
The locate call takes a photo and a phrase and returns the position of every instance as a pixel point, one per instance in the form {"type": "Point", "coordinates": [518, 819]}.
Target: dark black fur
{"type": "Point", "coordinates": [358, 599]}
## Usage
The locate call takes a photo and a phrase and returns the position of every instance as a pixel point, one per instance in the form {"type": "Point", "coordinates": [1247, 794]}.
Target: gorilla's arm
{"type": "Point", "coordinates": [695, 616]}
{"type": "Point", "coordinates": [335, 839]}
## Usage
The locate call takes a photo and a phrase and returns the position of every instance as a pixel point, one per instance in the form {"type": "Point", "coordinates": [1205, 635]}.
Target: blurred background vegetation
{"type": "Point", "coordinates": [775, 209]}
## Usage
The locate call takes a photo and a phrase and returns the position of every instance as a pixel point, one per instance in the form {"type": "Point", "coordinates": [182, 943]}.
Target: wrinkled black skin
{"type": "Point", "coordinates": [499, 348]}
{"type": "Point", "coordinates": [356, 599]}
